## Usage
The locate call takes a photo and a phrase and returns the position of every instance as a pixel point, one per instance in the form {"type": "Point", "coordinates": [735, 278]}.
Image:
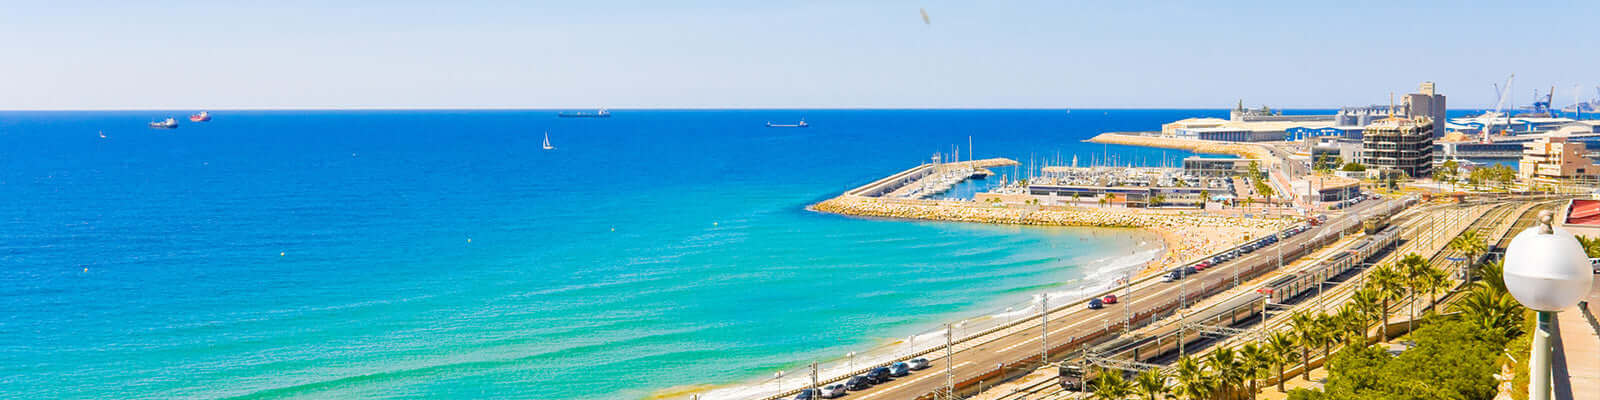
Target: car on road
{"type": "Point", "coordinates": [1172, 275]}
{"type": "Point", "coordinates": [1189, 271]}
{"type": "Point", "coordinates": [899, 369]}
{"type": "Point", "coordinates": [918, 364]}
{"type": "Point", "coordinates": [878, 375]}
{"type": "Point", "coordinates": [1202, 266]}
{"type": "Point", "coordinates": [833, 391]}
{"type": "Point", "coordinates": [1096, 304]}
{"type": "Point", "coordinates": [858, 382]}
{"type": "Point", "coordinates": [806, 394]}
{"type": "Point", "coordinates": [1109, 299]}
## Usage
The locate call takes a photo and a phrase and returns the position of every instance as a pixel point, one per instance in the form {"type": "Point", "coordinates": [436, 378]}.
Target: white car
{"type": "Point", "coordinates": [918, 364]}
{"type": "Point", "coordinates": [833, 391]}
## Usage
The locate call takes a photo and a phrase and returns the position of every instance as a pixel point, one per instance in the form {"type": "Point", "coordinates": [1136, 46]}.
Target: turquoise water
{"type": "Point", "coordinates": [443, 254]}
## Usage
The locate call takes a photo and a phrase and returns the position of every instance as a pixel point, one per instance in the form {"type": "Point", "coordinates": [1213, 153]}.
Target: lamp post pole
{"type": "Point", "coordinates": [1546, 270]}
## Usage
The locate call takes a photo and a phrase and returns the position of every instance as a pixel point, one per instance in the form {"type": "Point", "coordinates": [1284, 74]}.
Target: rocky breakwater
{"type": "Point", "coordinates": [1070, 216]}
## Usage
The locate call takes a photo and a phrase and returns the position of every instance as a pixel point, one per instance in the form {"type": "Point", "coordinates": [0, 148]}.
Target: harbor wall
{"type": "Point", "coordinates": [1194, 145]}
{"type": "Point", "coordinates": [962, 211]}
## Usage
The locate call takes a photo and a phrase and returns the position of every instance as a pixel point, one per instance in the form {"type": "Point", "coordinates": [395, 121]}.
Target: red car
{"type": "Point", "coordinates": [1109, 299]}
{"type": "Point", "coordinates": [1202, 266]}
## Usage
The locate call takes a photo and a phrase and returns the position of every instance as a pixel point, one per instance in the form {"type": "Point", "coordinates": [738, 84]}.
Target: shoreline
{"type": "Point", "coordinates": [1099, 274]}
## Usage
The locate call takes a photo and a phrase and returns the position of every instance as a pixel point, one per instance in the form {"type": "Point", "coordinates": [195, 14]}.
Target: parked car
{"type": "Point", "coordinates": [1189, 271]}
{"type": "Point", "coordinates": [833, 391]}
{"type": "Point", "coordinates": [1095, 304]}
{"type": "Point", "coordinates": [1202, 266]}
{"type": "Point", "coordinates": [858, 382]}
{"type": "Point", "coordinates": [805, 394]}
{"type": "Point", "coordinates": [878, 375]}
{"type": "Point", "coordinates": [899, 369]}
{"type": "Point", "coordinates": [1173, 275]}
{"type": "Point", "coordinates": [918, 364]}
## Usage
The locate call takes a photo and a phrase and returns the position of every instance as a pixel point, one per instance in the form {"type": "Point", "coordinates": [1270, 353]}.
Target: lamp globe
{"type": "Point", "coordinates": [1546, 268]}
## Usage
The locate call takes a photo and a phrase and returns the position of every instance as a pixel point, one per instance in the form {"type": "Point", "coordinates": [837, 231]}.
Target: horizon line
{"type": "Point", "coordinates": [648, 108]}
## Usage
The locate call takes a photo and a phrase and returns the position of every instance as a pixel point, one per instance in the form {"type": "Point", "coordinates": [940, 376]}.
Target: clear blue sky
{"type": "Point", "coordinates": [299, 54]}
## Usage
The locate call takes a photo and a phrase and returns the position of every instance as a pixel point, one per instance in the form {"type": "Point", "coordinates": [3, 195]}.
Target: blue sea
{"type": "Point", "coordinates": [444, 254]}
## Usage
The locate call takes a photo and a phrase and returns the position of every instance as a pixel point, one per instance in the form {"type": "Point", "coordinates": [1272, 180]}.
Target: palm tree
{"type": "Point", "coordinates": [1414, 268]}
{"type": "Point", "coordinates": [1152, 385]}
{"type": "Point", "coordinates": [1329, 328]}
{"type": "Point", "coordinates": [1281, 346]}
{"type": "Point", "coordinates": [1075, 196]}
{"type": "Point", "coordinates": [1493, 311]}
{"type": "Point", "coordinates": [1205, 195]}
{"type": "Point", "coordinates": [1432, 282]}
{"type": "Point", "coordinates": [1494, 276]}
{"type": "Point", "coordinates": [1351, 322]}
{"type": "Point", "coordinates": [1109, 385]}
{"type": "Point", "coordinates": [1370, 304]}
{"type": "Point", "coordinates": [1230, 370]}
{"type": "Point", "coordinates": [1591, 245]}
{"type": "Point", "coordinates": [1193, 381]}
{"type": "Point", "coordinates": [1305, 330]}
{"type": "Point", "coordinates": [1390, 285]}
{"type": "Point", "coordinates": [1257, 363]}
{"type": "Point", "coordinates": [1470, 245]}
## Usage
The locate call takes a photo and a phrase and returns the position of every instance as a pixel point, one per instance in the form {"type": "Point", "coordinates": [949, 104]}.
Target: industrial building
{"type": "Point", "coordinates": [1399, 144]}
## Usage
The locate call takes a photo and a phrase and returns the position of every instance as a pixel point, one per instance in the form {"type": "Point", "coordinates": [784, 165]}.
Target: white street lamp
{"type": "Point", "coordinates": [1546, 270]}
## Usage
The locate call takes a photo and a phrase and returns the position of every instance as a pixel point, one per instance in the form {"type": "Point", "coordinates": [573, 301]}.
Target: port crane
{"type": "Point", "coordinates": [1488, 120]}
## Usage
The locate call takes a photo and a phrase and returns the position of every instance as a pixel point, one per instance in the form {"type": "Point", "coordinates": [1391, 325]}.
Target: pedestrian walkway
{"type": "Point", "coordinates": [1579, 351]}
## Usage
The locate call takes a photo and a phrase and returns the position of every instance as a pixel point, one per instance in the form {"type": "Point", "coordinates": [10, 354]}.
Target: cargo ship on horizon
{"type": "Point", "coordinates": [602, 113]}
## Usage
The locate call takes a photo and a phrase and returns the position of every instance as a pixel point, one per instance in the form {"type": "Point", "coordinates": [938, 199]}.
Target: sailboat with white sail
{"type": "Point", "coordinates": [547, 145]}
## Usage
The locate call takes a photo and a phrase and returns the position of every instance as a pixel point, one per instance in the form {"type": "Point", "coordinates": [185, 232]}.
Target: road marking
{"type": "Point", "coordinates": [900, 384]}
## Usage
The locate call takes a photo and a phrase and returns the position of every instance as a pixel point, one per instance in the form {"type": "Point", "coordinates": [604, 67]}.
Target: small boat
{"type": "Point", "coordinates": [801, 124]}
{"type": "Point", "coordinates": [201, 117]}
{"type": "Point", "coordinates": [547, 145]}
{"type": "Point", "coordinates": [601, 113]}
{"type": "Point", "coordinates": [167, 124]}
{"type": "Point", "coordinates": [102, 134]}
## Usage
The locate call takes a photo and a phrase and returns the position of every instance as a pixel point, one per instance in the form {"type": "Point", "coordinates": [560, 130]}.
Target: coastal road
{"type": "Point", "coordinates": [1023, 342]}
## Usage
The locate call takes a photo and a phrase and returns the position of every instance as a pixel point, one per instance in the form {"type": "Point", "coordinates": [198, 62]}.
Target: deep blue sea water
{"type": "Point", "coordinates": [443, 254]}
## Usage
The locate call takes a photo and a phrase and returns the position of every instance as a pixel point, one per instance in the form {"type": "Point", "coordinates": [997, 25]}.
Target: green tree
{"type": "Point", "coordinates": [1369, 303]}
{"type": "Point", "coordinates": [1591, 245]}
{"type": "Point", "coordinates": [1328, 334]}
{"type": "Point", "coordinates": [1351, 322]}
{"type": "Point", "coordinates": [1075, 196]}
{"type": "Point", "coordinates": [1451, 360]}
{"type": "Point", "coordinates": [1413, 268]}
{"type": "Point", "coordinates": [1109, 385]}
{"type": "Point", "coordinates": [1266, 192]}
{"type": "Point", "coordinates": [1257, 364]}
{"type": "Point", "coordinates": [1229, 369]}
{"type": "Point", "coordinates": [1471, 245]}
{"type": "Point", "coordinates": [1491, 311]}
{"type": "Point", "coordinates": [1151, 384]}
{"type": "Point", "coordinates": [1493, 276]}
{"type": "Point", "coordinates": [1194, 382]}
{"type": "Point", "coordinates": [1432, 282]}
{"type": "Point", "coordinates": [1205, 196]}
{"type": "Point", "coordinates": [1281, 346]}
{"type": "Point", "coordinates": [1353, 167]}
{"type": "Point", "coordinates": [1389, 283]}
{"type": "Point", "coordinates": [1305, 330]}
